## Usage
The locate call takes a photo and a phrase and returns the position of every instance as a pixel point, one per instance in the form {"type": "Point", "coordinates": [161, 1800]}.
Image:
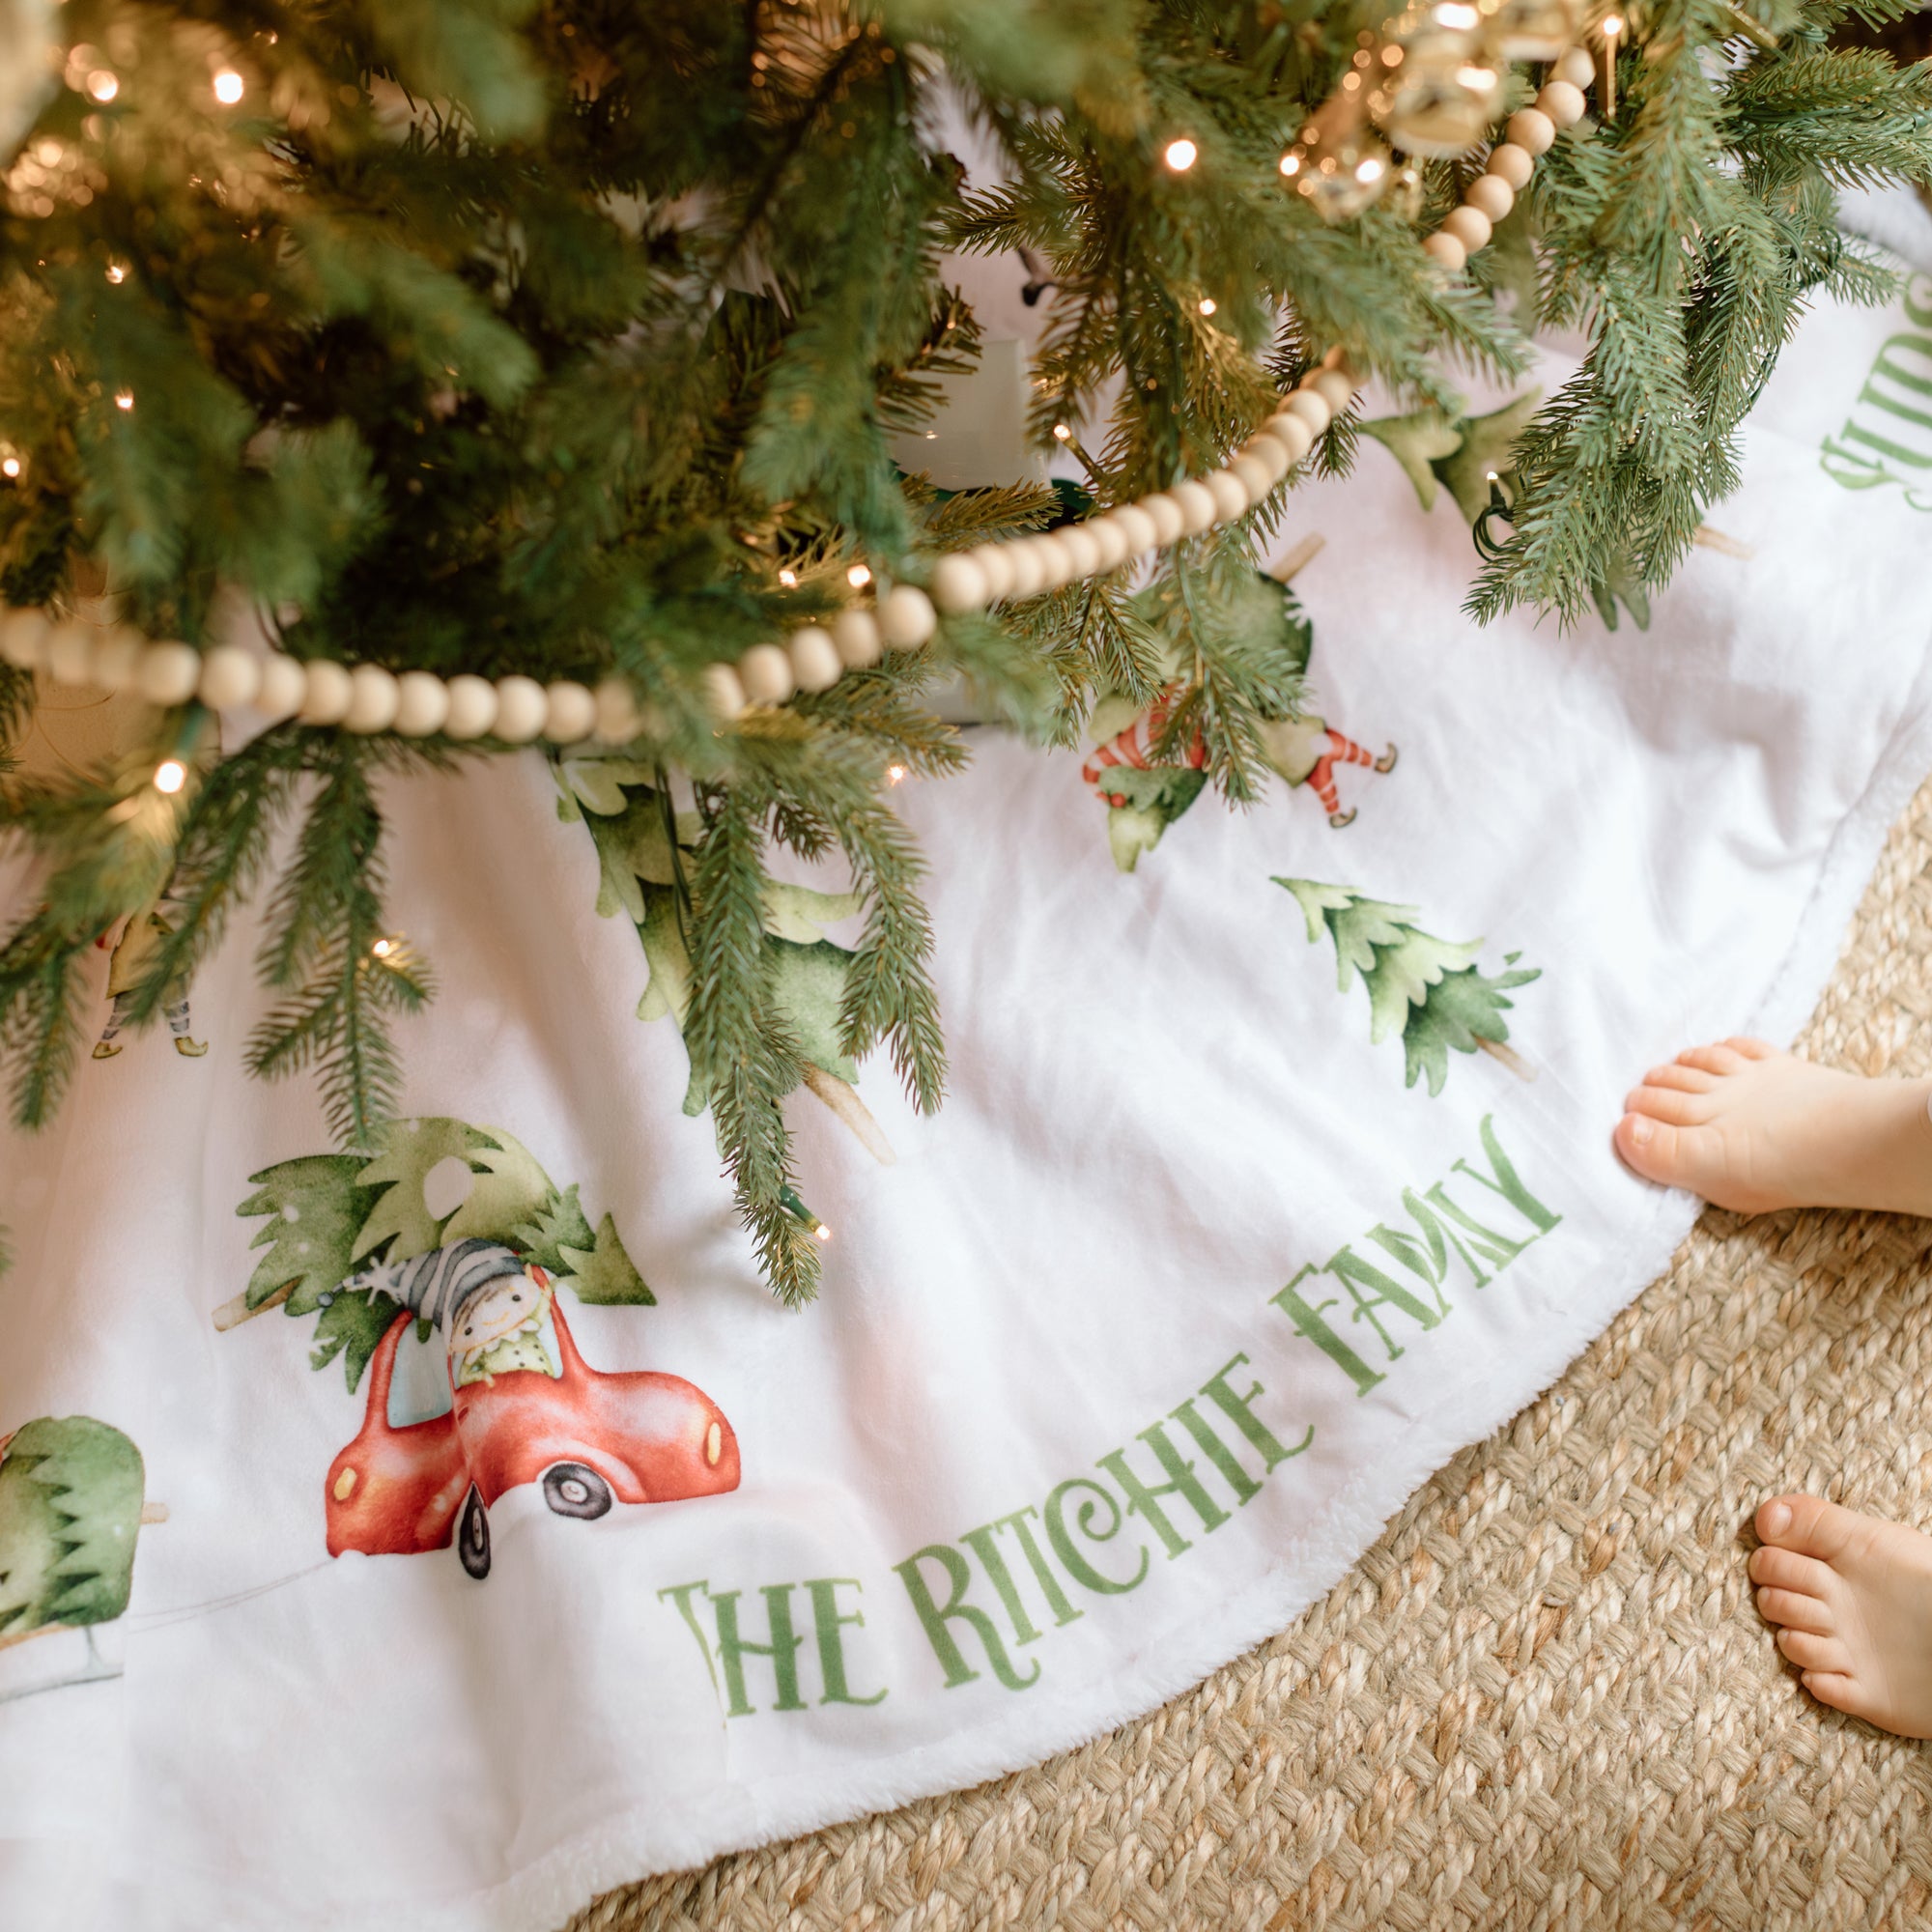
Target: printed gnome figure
{"type": "Point", "coordinates": [490, 1301]}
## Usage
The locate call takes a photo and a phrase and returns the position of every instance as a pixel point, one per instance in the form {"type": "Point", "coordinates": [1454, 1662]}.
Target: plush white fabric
{"type": "Point", "coordinates": [1162, 1109]}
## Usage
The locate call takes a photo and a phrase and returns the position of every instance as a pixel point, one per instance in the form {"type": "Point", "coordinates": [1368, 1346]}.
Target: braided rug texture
{"type": "Point", "coordinates": [1545, 1699]}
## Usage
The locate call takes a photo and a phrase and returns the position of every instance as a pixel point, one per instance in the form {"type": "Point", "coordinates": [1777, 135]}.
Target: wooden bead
{"type": "Point", "coordinates": [618, 719]}
{"type": "Point", "coordinates": [724, 692]}
{"type": "Point", "coordinates": [815, 662]}
{"type": "Point", "coordinates": [570, 712]}
{"type": "Point", "coordinates": [1470, 226]}
{"type": "Point", "coordinates": [472, 707]}
{"type": "Point", "coordinates": [1490, 195]}
{"type": "Point", "coordinates": [1312, 408]}
{"type": "Point", "coordinates": [1232, 497]}
{"type": "Point", "coordinates": [856, 635]}
{"type": "Point", "coordinates": [1293, 435]}
{"type": "Point", "coordinates": [284, 683]}
{"type": "Point", "coordinates": [1512, 164]}
{"type": "Point", "coordinates": [325, 692]}
{"type": "Point", "coordinates": [1575, 66]}
{"type": "Point", "coordinates": [169, 673]}
{"type": "Point", "coordinates": [422, 704]}
{"type": "Point", "coordinates": [907, 617]}
{"type": "Point", "coordinates": [1197, 506]}
{"type": "Point", "coordinates": [996, 566]}
{"type": "Point", "coordinates": [1334, 388]}
{"type": "Point", "coordinates": [958, 585]}
{"type": "Point", "coordinates": [372, 699]}
{"type": "Point", "coordinates": [1056, 565]}
{"type": "Point", "coordinates": [1111, 541]}
{"type": "Point", "coordinates": [1083, 550]}
{"type": "Point", "coordinates": [1447, 251]}
{"type": "Point", "coordinates": [230, 678]}
{"type": "Point", "coordinates": [1025, 571]}
{"type": "Point", "coordinates": [1531, 130]}
{"type": "Point", "coordinates": [117, 657]}
{"type": "Point", "coordinates": [1255, 476]}
{"type": "Point", "coordinates": [70, 652]}
{"type": "Point", "coordinates": [1563, 103]}
{"type": "Point", "coordinates": [1137, 527]}
{"type": "Point", "coordinates": [23, 637]}
{"type": "Point", "coordinates": [521, 705]}
{"type": "Point", "coordinates": [765, 672]}
{"type": "Point", "coordinates": [1269, 454]}
{"type": "Point", "coordinates": [1169, 525]}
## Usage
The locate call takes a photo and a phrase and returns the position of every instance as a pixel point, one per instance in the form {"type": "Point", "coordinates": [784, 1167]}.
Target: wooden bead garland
{"type": "Point", "coordinates": [366, 697]}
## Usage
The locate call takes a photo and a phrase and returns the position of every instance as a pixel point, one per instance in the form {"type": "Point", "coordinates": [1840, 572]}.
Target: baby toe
{"type": "Point", "coordinates": [1685, 1079]}
{"type": "Point", "coordinates": [1795, 1610]}
{"type": "Point", "coordinates": [1711, 1059]}
{"type": "Point", "coordinates": [1788, 1570]}
{"type": "Point", "coordinates": [1807, 1524]}
{"type": "Point", "coordinates": [1831, 1686]}
{"type": "Point", "coordinates": [1811, 1651]}
{"type": "Point", "coordinates": [1669, 1103]}
{"type": "Point", "coordinates": [1751, 1049]}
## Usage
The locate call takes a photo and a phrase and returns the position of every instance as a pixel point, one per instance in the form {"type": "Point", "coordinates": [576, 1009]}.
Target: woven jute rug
{"type": "Point", "coordinates": [1543, 1699]}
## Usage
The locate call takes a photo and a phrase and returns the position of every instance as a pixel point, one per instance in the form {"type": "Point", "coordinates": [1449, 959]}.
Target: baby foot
{"type": "Point", "coordinates": [1853, 1597]}
{"type": "Point", "coordinates": [1754, 1129]}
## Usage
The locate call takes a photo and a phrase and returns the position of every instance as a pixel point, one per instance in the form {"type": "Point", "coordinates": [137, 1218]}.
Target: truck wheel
{"type": "Point", "coordinates": [472, 1536]}
{"type": "Point", "coordinates": [572, 1490]}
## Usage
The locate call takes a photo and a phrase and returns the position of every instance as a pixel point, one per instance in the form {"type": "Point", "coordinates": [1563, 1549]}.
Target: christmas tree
{"type": "Point", "coordinates": [71, 1490]}
{"type": "Point", "coordinates": [1430, 988]}
{"type": "Point", "coordinates": [327, 1218]}
{"type": "Point", "coordinates": [544, 361]}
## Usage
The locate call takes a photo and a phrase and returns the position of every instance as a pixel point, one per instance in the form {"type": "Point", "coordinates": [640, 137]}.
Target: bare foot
{"type": "Point", "coordinates": [1754, 1129]}
{"type": "Point", "coordinates": [1853, 1597]}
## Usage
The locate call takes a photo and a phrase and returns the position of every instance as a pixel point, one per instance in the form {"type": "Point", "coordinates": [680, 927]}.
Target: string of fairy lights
{"type": "Point", "coordinates": [1430, 84]}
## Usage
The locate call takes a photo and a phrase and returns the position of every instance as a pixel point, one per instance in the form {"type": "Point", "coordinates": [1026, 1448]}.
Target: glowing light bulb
{"type": "Point", "coordinates": [1290, 164]}
{"type": "Point", "coordinates": [823, 1232]}
{"type": "Point", "coordinates": [124, 399]}
{"type": "Point", "coordinates": [10, 467]}
{"type": "Point", "coordinates": [932, 435]}
{"type": "Point", "coordinates": [859, 576]}
{"type": "Point", "coordinates": [170, 775]}
{"type": "Point", "coordinates": [1181, 156]}
{"type": "Point", "coordinates": [1477, 80]}
{"type": "Point", "coordinates": [1612, 26]}
{"type": "Point", "coordinates": [1208, 305]}
{"type": "Point", "coordinates": [894, 773]}
{"type": "Point", "coordinates": [1368, 170]}
{"type": "Point", "coordinates": [790, 579]}
{"type": "Point", "coordinates": [102, 85]}
{"type": "Point", "coordinates": [1061, 433]}
{"type": "Point", "coordinates": [228, 87]}
{"type": "Point", "coordinates": [117, 274]}
{"type": "Point", "coordinates": [1452, 13]}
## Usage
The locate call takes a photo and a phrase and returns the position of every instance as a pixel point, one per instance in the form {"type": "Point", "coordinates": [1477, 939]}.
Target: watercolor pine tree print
{"type": "Point", "coordinates": [646, 855]}
{"type": "Point", "coordinates": [70, 1499]}
{"type": "Point", "coordinates": [426, 1184]}
{"type": "Point", "coordinates": [1428, 988]}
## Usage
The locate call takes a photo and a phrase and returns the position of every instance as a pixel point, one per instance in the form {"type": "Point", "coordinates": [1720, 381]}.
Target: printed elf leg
{"type": "Point", "coordinates": [178, 1025]}
{"type": "Point", "coordinates": [1134, 747]}
{"type": "Point", "coordinates": [1342, 750]}
{"type": "Point", "coordinates": [1346, 750]}
{"type": "Point", "coordinates": [1323, 780]}
{"type": "Point", "coordinates": [105, 1047]}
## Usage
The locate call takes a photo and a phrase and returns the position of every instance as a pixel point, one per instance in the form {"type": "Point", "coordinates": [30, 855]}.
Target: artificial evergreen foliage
{"type": "Point", "coordinates": [491, 336]}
